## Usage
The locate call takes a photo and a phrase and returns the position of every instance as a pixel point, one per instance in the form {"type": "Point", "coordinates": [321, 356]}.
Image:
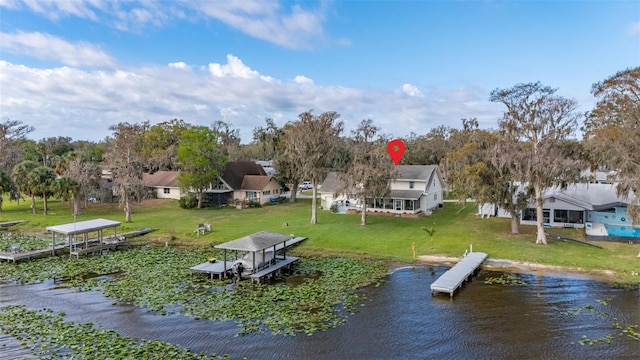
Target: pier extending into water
{"type": "Point", "coordinates": [453, 278]}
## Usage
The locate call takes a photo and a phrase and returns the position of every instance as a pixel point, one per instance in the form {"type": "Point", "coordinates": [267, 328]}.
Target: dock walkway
{"type": "Point", "coordinates": [453, 278]}
{"type": "Point", "coordinates": [78, 248]}
{"type": "Point", "coordinates": [272, 270]}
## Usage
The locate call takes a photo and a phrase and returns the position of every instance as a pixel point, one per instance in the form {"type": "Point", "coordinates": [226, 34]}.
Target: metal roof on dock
{"type": "Point", "coordinates": [255, 242]}
{"type": "Point", "coordinates": [82, 227]}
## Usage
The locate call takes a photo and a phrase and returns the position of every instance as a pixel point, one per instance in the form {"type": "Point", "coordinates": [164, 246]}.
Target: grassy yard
{"type": "Point", "coordinates": [389, 237]}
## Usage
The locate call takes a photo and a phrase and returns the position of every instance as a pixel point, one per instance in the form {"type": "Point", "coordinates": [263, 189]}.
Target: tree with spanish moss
{"type": "Point", "coordinates": [311, 142]}
{"type": "Point", "coordinates": [124, 160]}
{"type": "Point", "coordinates": [534, 135]}
{"type": "Point", "coordinates": [370, 170]}
{"type": "Point", "coordinates": [612, 132]}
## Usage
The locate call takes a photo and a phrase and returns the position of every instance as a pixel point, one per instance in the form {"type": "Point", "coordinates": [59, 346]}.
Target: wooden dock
{"type": "Point", "coordinates": [216, 268]}
{"type": "Point", "coordinates": [20, 255]}
{"type": "Point", "coordinates": [453, 278]}
{"type": "Point", "coordinates": [11, 223]}
{"type": "Point", "coordinates": [78, 248]}
{"type": "Point", "coordinates": [272, 270]}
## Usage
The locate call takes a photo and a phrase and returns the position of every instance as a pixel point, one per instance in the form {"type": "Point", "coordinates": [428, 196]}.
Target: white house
{"type": "Point", "coordinates": [163, 184]}
{"type": "Point", "coordinates": [596, 207]}
{"type": "Point", "coordinates": [417, 188]}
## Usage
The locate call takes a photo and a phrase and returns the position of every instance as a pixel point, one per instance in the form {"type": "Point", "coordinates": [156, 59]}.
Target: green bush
{"type": "Point", "coordinates": [334, 208]}
{"type": "Point", "coordinates": [188, 202]}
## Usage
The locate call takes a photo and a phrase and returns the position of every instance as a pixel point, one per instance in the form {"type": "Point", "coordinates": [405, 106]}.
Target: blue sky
{"type": "Point", "coordinates": [73, 68]}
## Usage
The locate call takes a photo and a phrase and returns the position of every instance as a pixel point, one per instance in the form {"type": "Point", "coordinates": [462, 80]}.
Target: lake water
{"type": "Point", "coordinates": [400, 320]}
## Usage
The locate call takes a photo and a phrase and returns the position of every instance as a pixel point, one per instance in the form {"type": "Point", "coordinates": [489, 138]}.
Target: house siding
{"type": "Point", "coordinates": [174, 193]}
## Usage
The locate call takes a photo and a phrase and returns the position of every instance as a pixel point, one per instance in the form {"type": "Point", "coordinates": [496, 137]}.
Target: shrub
{"type": "Point", "coordinates": [188, 202]}
{"type": "Point", "coordinates": [334, 208]}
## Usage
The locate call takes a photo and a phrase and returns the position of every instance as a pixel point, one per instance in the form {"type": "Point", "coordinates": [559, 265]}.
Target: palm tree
{"type": "Point", "coordinates": [42, 179]}
{"type": "Point", "coordinates": [5, 185]}
{"type": "Point", "coordinates": [67, 188]}
{"type": "Point", "coordinates": [20, 177]}
{"type": "Point", "coordinates": [431, 232]}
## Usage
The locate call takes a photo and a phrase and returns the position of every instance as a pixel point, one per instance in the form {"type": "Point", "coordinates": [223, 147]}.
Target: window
{"type": "Point", "coordinates": [251, 195]}
{"type": "Point", "coordinates": [568, 216]}
{"type": "Point", "coordinates": [529, 214]}
{"type": "Point", "coordinates": [220, 186]}
{"type": "Point", "coordinates": [266, 192]}
{"type": "Point", "coordinates": [412, 184]}
{"type": "Point", "coordinates": [167, 191]}
{"type": "Point", "coordinates": [408, 205]}
{"type": "Point", "coordinates": [435, 196]}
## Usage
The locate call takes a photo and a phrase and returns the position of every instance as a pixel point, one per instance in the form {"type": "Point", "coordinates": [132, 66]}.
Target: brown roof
{"type": "Point", "coordinates": [255, 182]}
{"type": "Point", "coordinates": [162, 179]}
{"type": "Point", "coordinates": [235, 171]}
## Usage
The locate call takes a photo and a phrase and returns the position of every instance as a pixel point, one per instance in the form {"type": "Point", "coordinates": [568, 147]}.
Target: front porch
{"type": "Point", "coordinates": [399, 201]}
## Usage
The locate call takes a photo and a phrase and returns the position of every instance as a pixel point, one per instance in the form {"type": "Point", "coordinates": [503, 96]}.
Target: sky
{"type": "Point", "coordinates": [74, 68]}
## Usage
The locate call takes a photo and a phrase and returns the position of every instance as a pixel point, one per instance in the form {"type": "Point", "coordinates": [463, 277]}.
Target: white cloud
{"type": "Point", "coordinates": [179, 65]}
{"type": "Point", "coordinates": [54, 9]}
{"type": "Point", "coordinates": [302, 80]}
{"type": "Point", "coordinates": [411, 90]}
{"type": "Point", "coordinates": [82, 104]}
{"type": "Point", "coordinates": [234, 68]}
{"type": "Point", "coordinates": [291, 27]}
{"type": "Point", "coordinates": [286, 25]}
{"type": "Point", "coordinates": [634, 29]}
{"type": "Point", "coordinates": [48, 47]}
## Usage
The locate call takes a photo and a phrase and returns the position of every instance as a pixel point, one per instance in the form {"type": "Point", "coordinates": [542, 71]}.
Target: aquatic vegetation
{"type": "Point", "coordinates": [159, 280]}
{"type": "Point", "coordinates": [629, 331]}
{"type": "Point", "coordinates": [25, 242]}
{"type": "Point", "coordinates": [505, 279]}
{"type": "Point", "coordinates": [586, 341]}
{"type": "Point", "coordinates": [48, 336]}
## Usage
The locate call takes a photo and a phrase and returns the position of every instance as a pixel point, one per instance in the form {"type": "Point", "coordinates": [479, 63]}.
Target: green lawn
{"type": "Point", "coordinates": [390, 237]}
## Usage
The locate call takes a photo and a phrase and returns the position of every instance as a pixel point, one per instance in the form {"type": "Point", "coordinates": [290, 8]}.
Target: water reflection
{"type": "Point", "coordinates": [544, 319]}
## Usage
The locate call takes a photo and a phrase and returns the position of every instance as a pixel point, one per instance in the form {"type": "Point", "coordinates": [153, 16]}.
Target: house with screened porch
{"type": "Point", "coordinates": [417, 188]}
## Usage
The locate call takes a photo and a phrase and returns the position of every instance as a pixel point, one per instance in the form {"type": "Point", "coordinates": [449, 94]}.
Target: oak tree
{"type": "Point", "coordinates": [612, 132]}
{"type": "Point", "coordinates": [310, 144]}
{"type": "Point", "coordinates": [124, 161]}
{"type": "Point", "coordinates": [370, 169]}
{"type": "Point", "coordinates": [532, 136]}
{"type": "Point", "coordinates": [201, 159]}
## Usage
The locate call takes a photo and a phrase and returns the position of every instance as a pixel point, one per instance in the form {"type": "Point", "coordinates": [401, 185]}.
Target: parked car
{"type": "Point", "coordinates": [306, 185]}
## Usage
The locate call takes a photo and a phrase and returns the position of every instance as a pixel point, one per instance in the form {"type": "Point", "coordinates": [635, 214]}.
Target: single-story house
{"type": "Point", "coordinates": [242, 181]}
{"type": "Point", "coordinates": [595, 207]}
{"type": "Point", "coordinates": [417, 188]}
{"type": "Point", "coordinates": [163, 184]}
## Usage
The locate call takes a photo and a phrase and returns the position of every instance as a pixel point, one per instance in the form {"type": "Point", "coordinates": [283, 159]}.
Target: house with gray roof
{"type": "Point", "coordinates": [595, 207]}
{"type": "Point", "coordinates": [417, 188]}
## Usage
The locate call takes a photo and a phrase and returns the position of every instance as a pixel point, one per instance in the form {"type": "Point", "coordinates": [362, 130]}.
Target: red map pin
{"type": "Point", "coordinates": [395, 148]}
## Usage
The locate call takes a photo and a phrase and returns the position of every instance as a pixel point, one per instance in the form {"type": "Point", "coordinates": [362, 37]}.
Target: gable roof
{"type": "Point", "coordinates": [161, 179]}
{"type": "Point", "coordinates": [415, 172]}
{"type": "Point", "coordinates": [255, 242]}
{"type": "Point", "coordinates": [330, 183]}
{"type": "Point", "coordinates": [255, 182]}
{"type": "Point", "coordinates": [235, 171]}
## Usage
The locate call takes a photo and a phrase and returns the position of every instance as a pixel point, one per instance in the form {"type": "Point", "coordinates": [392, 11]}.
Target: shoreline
{"type": "Point", "coordinates": [502, 265]}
